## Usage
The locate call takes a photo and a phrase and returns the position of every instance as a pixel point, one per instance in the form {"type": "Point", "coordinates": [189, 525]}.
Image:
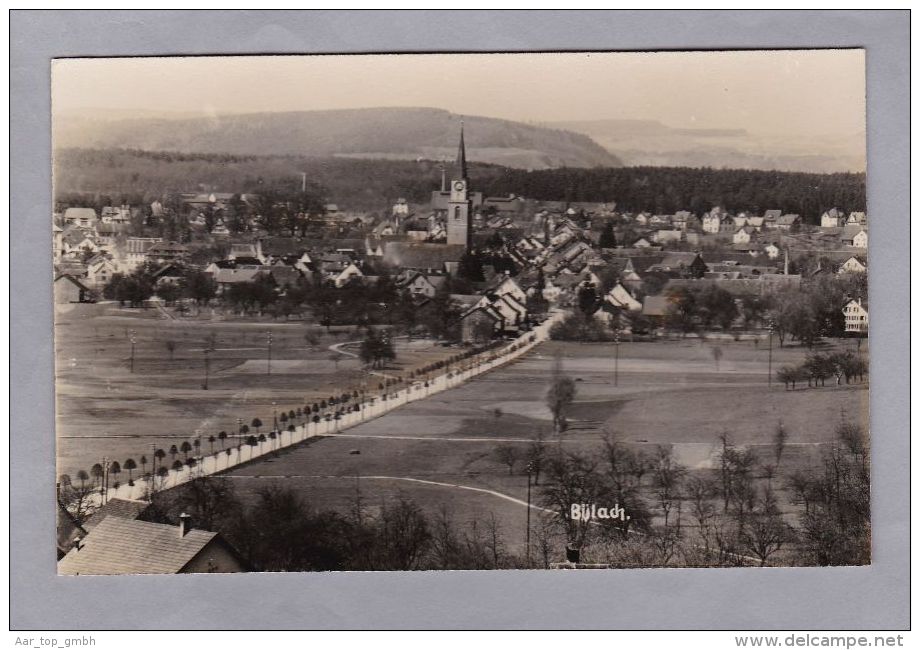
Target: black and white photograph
{"type": "Point", "coordinates": [469, 311]}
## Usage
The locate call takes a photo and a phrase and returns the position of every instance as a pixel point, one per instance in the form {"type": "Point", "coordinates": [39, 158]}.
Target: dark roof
{"type": "Point", "coordinates": [79, 284]}
{"type": "Point", "coordinates": [422, 256]}
{"type": "Point", "coordinates": [67, 530]}
{"type": "Point", "coordinates": [125, 546]}
{"type": "Point", "coordinates": [282, 246]}
{"type": "Point", "coordinates": [122, 508]}
{"type": "Point", "coordinates": [285, 275]}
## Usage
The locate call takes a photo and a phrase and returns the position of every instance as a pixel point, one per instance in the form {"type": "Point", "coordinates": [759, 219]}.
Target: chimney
{"type": "Point", "coordinates": [443, 178]}
{"type": "Point", "coordinates": [185, 524]}
{"type": "Point", "coordinates": [786, 266]}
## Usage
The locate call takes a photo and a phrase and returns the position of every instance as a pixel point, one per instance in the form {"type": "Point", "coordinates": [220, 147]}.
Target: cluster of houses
{"type": "Point", "coordinates": [528, 247]}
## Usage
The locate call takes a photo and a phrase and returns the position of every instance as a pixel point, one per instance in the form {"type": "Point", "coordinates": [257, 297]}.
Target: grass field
{"type": "Point", "coordinates": [667, 393]}
{"type": "Point", "coordinates": [106, 410]}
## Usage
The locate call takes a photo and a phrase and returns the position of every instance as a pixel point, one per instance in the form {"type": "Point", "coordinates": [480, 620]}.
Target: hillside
{"type": "Point", "coordinates": [649, 142]}
{"type": "Point", "coordinates": [387, 133]}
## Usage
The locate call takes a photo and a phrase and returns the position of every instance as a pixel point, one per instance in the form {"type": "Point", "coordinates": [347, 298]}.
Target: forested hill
{"type": "Point", "coordinates": [390, 133]}
{"type": "Point", "coordinates": [359, 184]}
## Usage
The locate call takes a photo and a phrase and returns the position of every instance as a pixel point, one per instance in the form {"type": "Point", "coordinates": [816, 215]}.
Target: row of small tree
{"type": "Point", "coordinates": [818, 368]}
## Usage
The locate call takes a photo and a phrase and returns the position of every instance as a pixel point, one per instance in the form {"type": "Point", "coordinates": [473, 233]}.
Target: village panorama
{"type": "Point", "coordinates": [262, 377]}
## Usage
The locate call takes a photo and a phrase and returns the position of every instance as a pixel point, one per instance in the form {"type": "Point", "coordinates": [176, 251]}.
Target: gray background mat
{"type": "Point", "coordinates": [829, 598]}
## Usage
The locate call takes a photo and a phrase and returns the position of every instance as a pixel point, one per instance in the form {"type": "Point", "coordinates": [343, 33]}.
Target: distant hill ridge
{"type": "Point", "coordinates": [401, 133]}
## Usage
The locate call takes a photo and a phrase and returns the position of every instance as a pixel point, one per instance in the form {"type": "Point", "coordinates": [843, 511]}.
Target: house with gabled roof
{"type": "Point", "coordinates": [743, 235]}
{"type": "Point", "coordinates": [619, 296]}
{"type": "Point", "coordinates": [789, 222]}
{"type": "Point", "coordinates": [82, 217]}
{"type": "Point", "coordinates": [832, 218]}
{"type": "Point", "coordinates": [856, 316]}
{"type": "Point", "coordinates": [119, 546]}
{"type": "Point", "coordinates": [855, 236]}
{"type": "Point", "coordinates": [857, 219]}
{"type": "Point", "coordinates": [68, 289]}
{"type": "Point", "coordinates": [853, 264]}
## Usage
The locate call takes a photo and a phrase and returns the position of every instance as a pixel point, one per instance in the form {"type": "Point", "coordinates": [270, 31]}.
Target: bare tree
{"type": "Point", "coordinates": [507, 455]}
{"type": "Point", "coordinates": [764, 532]}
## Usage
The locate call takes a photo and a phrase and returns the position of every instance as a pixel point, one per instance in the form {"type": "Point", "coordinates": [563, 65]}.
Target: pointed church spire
{"type": "Point", "coordinates": [461, 154]}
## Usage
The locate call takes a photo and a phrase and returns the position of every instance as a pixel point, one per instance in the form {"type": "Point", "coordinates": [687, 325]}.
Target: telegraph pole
{"type": "Point", "coordinates": [616, 354]}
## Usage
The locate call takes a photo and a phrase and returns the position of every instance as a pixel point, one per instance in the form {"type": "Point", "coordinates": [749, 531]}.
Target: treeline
{"type": "Point", "coordinates": [665, 190]}
{"type": "Point", "coordinates": [374, 184]}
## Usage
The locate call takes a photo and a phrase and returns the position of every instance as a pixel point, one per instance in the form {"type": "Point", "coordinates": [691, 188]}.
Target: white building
{"type": "Point", "coordinates": [856, 316]}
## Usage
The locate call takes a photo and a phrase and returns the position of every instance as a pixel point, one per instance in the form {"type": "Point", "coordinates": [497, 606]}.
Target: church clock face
{"type": "Point", "coordinates": [458, 185]}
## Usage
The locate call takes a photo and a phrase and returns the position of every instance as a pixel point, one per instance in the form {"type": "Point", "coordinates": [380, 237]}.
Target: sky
{"type": "Point", "coordinates": [793, 92]}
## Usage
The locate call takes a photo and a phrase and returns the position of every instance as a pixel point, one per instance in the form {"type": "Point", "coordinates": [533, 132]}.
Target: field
{"type": "Point", "coordinates": [440, 452]}
{"type": "Point", "coordinates": [104, 409]}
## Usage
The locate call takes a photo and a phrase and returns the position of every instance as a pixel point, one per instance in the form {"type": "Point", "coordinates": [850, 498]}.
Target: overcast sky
{"type": "Point", "coordinates": [790, 92]}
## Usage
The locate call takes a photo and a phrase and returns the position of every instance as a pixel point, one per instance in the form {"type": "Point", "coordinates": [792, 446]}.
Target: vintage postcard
{"type": "Point", "coordinates": [461, 311]}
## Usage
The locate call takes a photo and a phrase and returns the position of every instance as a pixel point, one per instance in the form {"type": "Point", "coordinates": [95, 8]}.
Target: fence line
{"type": "Point", "coordinates": [242, 453]}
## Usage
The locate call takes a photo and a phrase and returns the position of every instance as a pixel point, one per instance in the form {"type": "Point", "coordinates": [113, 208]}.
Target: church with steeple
{"type": "Point", "coordinates": [455, 203]}
{"type": "Point", "coordinates": [459, 207]}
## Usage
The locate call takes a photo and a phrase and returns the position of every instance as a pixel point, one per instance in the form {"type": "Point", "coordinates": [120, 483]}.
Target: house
{"type": "Point", "coordinates": [855, 236]}
{"type": "Point", "coordinates": [419, 284]}
{"type": "Point", "coordinates": [479, 324]}
{"type": "Point", "coordinates": [82, 217]}
{"type": "Point", "coordinates": [856, 316]}
{"type": "Point", "coordinates": [642, 242]}
{"type": "Point", "coordinates": [691, 264]}
{"type": "Point", "coordinates": [789, 222]}
{"type": "Point", "coordinates": [247, 249]}
{"type": "Point", "coordinates": [116, 214]}
{"type": "Point", "coordinates": [423, 257]}
{"type": "Point", "coordinates": [712, 220]}
{"type": "Point", "coordinates": [166, 252]}
{"type": "Point", "coordinates": [134, 252]}
{"type": "Point", "coordinates": [68, 531]}
{"type": "Point", "coordinates": [67, 289]}
{"type": "Point", "coordinates": [853, 264]}
{"type": "Point", "coordinates": [76, 242]}
{"type": "Point", "coordinates": [743, 235]}
{"type": "Point", "coordinates": [857, 219]}
{"type": "Point", "coordinates": [350, 272]}
{"type": "Point", "coordinates": [400, 208]}
{"type": "Point", "coordinates": [226, 278]}
{"type": "Point", "coordinates": [119, 546]}
{"type": "Point", "coordinates": [656, 307]}
{"type": "Point", "coordinates": [832, 218]}
{"type": "Point", "coordinates": [508, 286]}
{"type": "Point", "coordinates": [99, 271]}
{"type": "Point", "coordinates": [169, 274]}
{"type": "Point", "coordinates": [122, 508]}
{"type": "Point", "coordinates": [512, 312]}
{"type": "Point", "coordinates": [755, 222]}
{"type": "Point", "coordinates": [667, 236]}
{"type": "Point", "coordinates": [106, 233]}
{"type": "Point", "coordinates": [503, 205]}
{"type": "Point", "coordinates": [57, 246]}
{"type": "Point", "coordinates": [770, 217]}
{"type": "Point", "coordinates": [684, 219]}
{"type": "Point", "coordinates": [620, 297]}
